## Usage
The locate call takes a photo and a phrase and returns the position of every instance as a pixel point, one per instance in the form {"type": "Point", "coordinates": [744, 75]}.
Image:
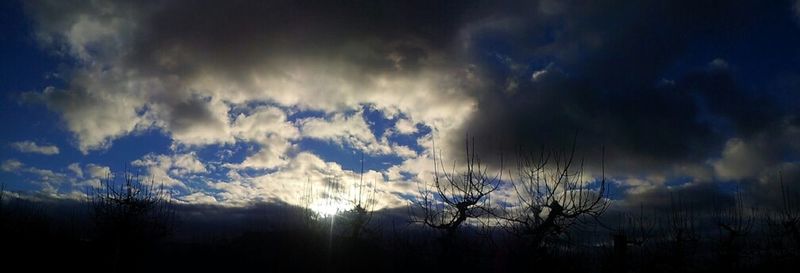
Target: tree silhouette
{"type": "Point", "coordinates": [457, 196]}
{"type": "Point", "coordinates": [735, 224]}
{"type": "Point", "coordinates": [682, 232]}
{"type": "Point", "coordinates": [784, 221]}
{"type": "Point", "coordinates": [2, 203]}
{"type": "Point", "coordinates": [130, 216]}
{"type": "Point", "coordinates": [552, 194]}
{"type": "Point", "coordinates": [362, 198]}
{"type": "Point", "coordinates": [634, 231]}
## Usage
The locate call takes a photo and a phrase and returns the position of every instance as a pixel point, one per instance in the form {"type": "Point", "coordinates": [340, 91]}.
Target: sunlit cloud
{"type": "Point", "coordinates": [32, 147]}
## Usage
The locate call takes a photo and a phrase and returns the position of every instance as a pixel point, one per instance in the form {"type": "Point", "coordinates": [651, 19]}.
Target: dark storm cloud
{"type": "Point", "coordinates": [621, 75]}
{"type": "Point", "coordinates": [769, 191]}
{"type": "Point", "coordinates": [238, 36]}
{"type": "Point", "coordinates": [186, 114]}
{"type": "Point", "coordinates": [698, 197]}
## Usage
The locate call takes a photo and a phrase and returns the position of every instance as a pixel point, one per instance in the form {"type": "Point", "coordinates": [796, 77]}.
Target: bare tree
{"type": "Point", "coordinates": [735, 224]}
{"type": "Point", "coordinates": [789, 212]}
{"type": "Point", "coordinates": [681, 232]}
{"type": "Point", "coordinates": [130, 214]}
{"type": "Point", "coordinates": [784, 221]}
{"type": "Point", "coordinates": [2, 206]}
{"type": "Point", "coordinates": [552, 194]}
{"type": "Point", "coordinates": [633, 231]}
{"type": "Point", "coordinates": [363, 200]}
{"type": "Point", "coordinates": [2, 195]}
{"type": "Point", "coordinates": [456, 196]}
{"type": "Point", "coordinates": [306, 213]}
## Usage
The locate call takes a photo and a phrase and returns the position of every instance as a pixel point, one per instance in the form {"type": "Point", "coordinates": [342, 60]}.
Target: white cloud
{"type": "Point", "coordinates": [403, 151]}
{"type": "Point", "coordinates": [351, 130]}
{"type": "Point", "coordinates": [420, 168]}
{"type": "Point", "coordinates": [758, 155]}
{"type": "Point", "coordinates": [76, 169]}
{"type": "Point", "coordinates": [32, 147]}
{"type": "Point", "coordinates": [268, 127]}
{"type": "Point", "coordinates": [184, 164]}
{"type": "Point", "coordinates": [94, 176]}
{"type": "Point", "coordinates": [742, 159]}
{"type": "Point", "coordinates": [98, 171]}
{"type": "Point", "coordinates": [198, 198]}
{"type": "Point", "coordinates": [306, 173]}
{"type": "Point", "coordinates": [405, 126]}
{"type": "Point", "coordinates": [11, 165]}
{"type": "Point", "coordinates": [93, 116]}
{"type": "Point", "coordinates": [91, 183]}
{"type": "Point", "coordinates": [44, 176]}
{"type": "Point", "coordinates": [344, 129]}
{"type": "Point", "coordinates": [538, 75]}
{"type": "Point", "coordinates": [170, 170]}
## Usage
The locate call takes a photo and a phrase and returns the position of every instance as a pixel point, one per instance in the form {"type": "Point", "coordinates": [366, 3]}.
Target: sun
{"type": "Point", "coordinates": [329, 207]}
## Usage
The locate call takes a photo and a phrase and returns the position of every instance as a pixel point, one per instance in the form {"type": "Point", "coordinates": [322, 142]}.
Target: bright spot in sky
{"type": "Point", "coordinates": [328, 207]}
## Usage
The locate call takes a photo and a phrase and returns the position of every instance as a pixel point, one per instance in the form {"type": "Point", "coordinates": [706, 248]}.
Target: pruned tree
{"type": "Point", "coordinates": [681, 229]}
{"type": "Point", "coordinates": [363, 201]}
{"type": "Point", "coordinates": [552, 194]}
{"type": "Point", "coordinates": [456, 196]}
{"type": "Point", "coordinates": [632, 232]}
{"type": "Point", "coordinates": [2, 195]}
{"type": "Point", "coordinates": [130, 214]}
{"type": "Point", "coordinates": [306, 213]}
{"type": "Point", "coordinates": [784, 221]}
{"type": "Point", "coordinates": [789, 212]}
{"type": "Point", "coordinates": [735, 224]}
{"type": "Point", "coordinates": [2, 206]}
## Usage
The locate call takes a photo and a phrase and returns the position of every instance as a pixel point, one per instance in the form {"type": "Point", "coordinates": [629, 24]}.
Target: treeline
{"type": "Point", "coordinates": [549, 217]}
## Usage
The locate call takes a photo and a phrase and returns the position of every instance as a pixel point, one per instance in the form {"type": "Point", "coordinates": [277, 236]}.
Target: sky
{"type": "Point", "coordinates": [238, 102]}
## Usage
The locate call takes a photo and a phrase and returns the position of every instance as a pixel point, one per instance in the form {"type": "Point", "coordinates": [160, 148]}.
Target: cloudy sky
{"type": "Point", "coordinates": [235, 102]}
